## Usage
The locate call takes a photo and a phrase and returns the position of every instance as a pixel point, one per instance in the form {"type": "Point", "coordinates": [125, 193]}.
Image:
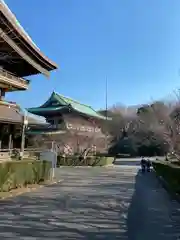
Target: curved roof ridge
{"type": "Point", "coordinates": [15, 23]}
{"type": "Point", "coordinates": [64, 102]}
{"type": "Point", "coordinates": [76, 101]}
{"type": "Point", "coordinates": [87, 108]}
{"type": "Point", "coordinates": [39, 118]}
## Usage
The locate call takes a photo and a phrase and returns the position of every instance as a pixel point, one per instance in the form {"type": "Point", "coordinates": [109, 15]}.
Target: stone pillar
{"type": "Point", "coordinates": [10, 143]}
{"type": "Point", "coordinates": [2, 94]}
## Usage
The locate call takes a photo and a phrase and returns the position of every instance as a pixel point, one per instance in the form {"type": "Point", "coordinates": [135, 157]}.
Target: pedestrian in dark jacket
{"type": "Point", "coordinates": [143, 164]}
{"type": "Point", "coordinates": [148, 165]}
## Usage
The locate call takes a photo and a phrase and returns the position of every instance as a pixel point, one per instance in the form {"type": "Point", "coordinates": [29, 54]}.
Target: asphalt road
{"type": "Point", "coordinates": [94, 203]}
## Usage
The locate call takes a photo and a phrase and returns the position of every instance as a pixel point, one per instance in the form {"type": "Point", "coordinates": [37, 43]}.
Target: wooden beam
{"type": "Point", "coordinates": [23, 54]}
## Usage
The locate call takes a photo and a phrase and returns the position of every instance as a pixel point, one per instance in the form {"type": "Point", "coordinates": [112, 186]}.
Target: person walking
{"type": "Point", "coordinates": [143, 164]}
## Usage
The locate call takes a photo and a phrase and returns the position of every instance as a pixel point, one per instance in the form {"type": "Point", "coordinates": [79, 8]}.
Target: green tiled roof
{"type": "Point", "coordinates": [44, 109]}
{"type": "Point", "coordinates": [82, 108]}
{"type": "Point", "coordinates": [62, 102]}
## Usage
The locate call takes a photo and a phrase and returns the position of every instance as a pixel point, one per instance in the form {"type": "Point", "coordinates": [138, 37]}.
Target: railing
{"type": "Point", "coordinates": [10, 76]}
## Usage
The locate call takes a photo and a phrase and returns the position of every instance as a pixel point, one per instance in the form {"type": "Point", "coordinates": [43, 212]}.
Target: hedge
{"type": "Point", "coordinates": [170, 173]}
{"type": "Point", "coordinates": [89, 161]}
{"type": "Point", "coordinates": [15, 174]}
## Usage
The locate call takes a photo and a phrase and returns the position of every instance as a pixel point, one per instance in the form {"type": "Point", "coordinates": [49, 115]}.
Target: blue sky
{"type": "Point", "coordinates": [135, 44]}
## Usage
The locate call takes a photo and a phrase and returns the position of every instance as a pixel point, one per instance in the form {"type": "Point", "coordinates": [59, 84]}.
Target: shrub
{"type": "Point", "coordinates": [15, 174]}
{"type": "Point", "coordinates": [170, 172]}
{"type": "Point", "coordinates": [89, 161]}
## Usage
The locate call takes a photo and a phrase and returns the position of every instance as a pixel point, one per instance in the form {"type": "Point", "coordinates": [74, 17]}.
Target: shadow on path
{"type": "Point", "coordinates": [78, 211]}
{"type": "Point", "coordinates": [152, 213]}
{"type": "Point", "coordinates": [104, 204]}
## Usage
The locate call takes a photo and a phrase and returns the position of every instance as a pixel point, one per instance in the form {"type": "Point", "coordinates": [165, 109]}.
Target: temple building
{"type": "Point", "coordinates": [19, 58]}
{"type": "Point", "coordinates": [72, 124]}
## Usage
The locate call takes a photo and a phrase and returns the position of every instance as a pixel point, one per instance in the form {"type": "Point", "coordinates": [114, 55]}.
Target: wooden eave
{"type": "Point", "coordinates": [32, 54]}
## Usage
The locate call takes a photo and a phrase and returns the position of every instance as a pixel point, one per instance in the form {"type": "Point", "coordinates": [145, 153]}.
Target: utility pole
{"type": "Point", "coordinates": [106, 99]}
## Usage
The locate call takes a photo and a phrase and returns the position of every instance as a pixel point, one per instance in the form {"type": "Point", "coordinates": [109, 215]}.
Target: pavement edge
{"type": "Point", "coordinates": [31, 189]}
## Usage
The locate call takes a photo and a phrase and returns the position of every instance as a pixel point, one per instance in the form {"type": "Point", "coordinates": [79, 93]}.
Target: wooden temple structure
{"type": "Point", "coordinates": [19, 58]}
{"type": "Point", "coordinates": [73, 125]}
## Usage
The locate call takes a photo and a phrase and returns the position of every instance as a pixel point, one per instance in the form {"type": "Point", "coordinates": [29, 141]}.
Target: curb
{"type": "Point", "coordinates": [109, 165]}
{"type": "Point", "coordinates": [167, 187]}
{"type": "Point", "coordinates": [30, 190]}
{"type": "Point", "coordinates": [52, 183]}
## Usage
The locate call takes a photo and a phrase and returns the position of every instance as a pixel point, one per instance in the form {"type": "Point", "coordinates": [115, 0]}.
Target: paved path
{"type": "Point", "coordinates": [94, 203]}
